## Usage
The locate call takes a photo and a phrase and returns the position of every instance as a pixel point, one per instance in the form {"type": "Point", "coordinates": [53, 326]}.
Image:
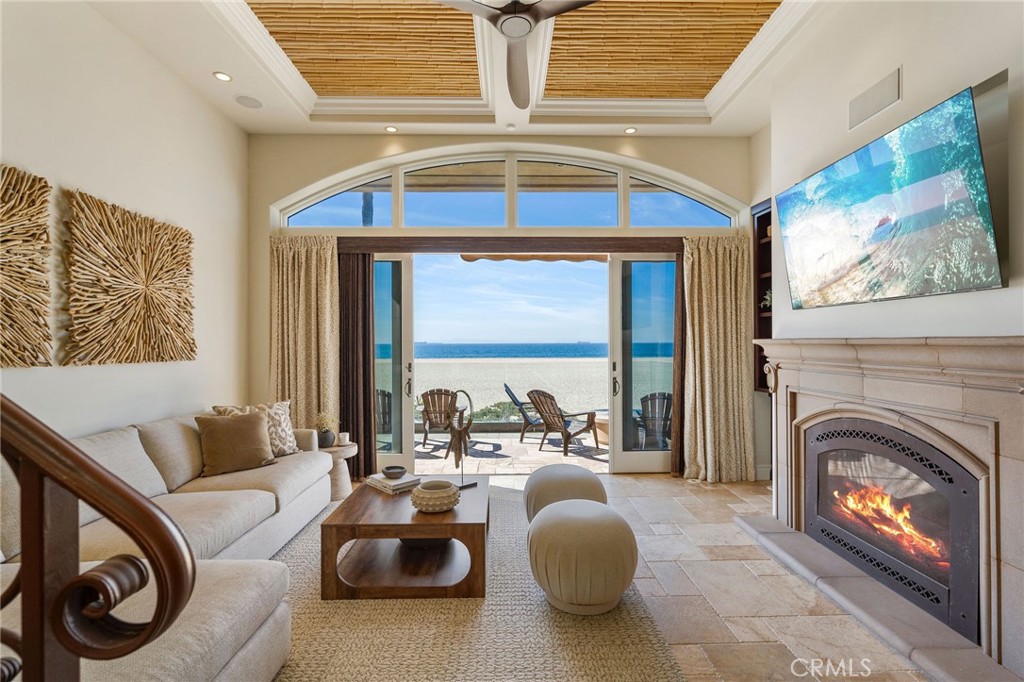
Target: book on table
{"type": "Point", "coordinates": [392, 486]}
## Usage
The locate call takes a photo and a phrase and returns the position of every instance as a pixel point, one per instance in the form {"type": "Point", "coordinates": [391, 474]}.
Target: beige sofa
{"type": "Point", "coordinates": [237, 626]}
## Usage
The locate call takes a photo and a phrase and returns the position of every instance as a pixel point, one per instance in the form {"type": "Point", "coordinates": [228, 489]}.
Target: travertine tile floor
{"type": "Point", "coordinates": [728, 610]}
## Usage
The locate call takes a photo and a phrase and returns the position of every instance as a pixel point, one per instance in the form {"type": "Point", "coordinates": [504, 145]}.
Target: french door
{"type": "Point", "coordinates": [393, 359]}
{"type": "Point", "coordinates": [642, 307]}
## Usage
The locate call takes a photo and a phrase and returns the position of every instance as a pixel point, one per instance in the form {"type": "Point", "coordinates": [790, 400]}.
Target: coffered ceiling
{"type": "Point", "coordinates": [368, 48]}
{"type": "Point", "coordinates": [664, 67]}
{"type": "Point", "coordinates": [662, 49]}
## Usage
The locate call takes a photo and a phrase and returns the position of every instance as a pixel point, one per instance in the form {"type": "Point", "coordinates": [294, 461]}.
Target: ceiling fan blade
{"type": "Point", "coordinates": [491, 14]}
{"type": "Point", "coordinates": [517, 72]}
{"type": "Point", "coordinates": [552, 8]}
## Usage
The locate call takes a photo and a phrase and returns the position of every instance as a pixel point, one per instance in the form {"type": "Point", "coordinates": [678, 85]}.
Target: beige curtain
{"type": "Point", "coordinates": [718, 372]}
{"type": "Point", "coordinates": [304, 325]}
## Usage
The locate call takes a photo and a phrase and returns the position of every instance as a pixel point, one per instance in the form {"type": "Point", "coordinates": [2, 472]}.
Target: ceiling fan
{"type": "Point", "coordinates": [515, 21]}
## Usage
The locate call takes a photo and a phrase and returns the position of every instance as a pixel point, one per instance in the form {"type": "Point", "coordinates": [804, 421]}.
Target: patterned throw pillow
{"type": "Point", "coordinates": [279, 423]}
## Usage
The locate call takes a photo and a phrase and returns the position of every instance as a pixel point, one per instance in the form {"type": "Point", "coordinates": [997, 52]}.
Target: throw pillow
{"type": "Point", "coordinates": [279, 423]}
{"type": "Point", "coordinates": [234, 443]}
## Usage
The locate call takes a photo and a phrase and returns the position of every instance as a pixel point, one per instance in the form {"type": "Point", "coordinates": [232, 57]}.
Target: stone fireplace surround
{"type": "Point", "coordinates": [965, 396]}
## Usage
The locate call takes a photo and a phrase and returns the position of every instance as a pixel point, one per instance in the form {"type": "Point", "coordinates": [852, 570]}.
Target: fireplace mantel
{"type": "Point", "coordinates": [965, 395]}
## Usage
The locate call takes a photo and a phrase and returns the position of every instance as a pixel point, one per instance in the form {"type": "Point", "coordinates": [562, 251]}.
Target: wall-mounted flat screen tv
{"type": "Point", "coordinates": [906, 215]}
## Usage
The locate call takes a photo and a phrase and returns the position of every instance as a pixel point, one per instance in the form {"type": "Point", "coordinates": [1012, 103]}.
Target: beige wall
{"type": "Point", "coordinates": [88, 109]}
{"type": "Point", "coordinates": [943, 48]}
{"type": "Point", "coordinates": [281, 166]}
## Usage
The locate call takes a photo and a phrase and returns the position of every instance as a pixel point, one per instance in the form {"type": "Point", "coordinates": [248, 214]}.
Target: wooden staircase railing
{"type": "Point", "coordinates": [66, 616]}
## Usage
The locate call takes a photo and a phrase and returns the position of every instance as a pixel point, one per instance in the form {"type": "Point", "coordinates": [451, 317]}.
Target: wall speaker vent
{"type": "Point", "coordinates": [882, 94]}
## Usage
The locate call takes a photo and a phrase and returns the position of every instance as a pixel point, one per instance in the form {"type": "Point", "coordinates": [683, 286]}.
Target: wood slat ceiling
{"type": "Point", "coordinates": [371, 48]}
{"type": "Point", "coordinates": [649, 49]}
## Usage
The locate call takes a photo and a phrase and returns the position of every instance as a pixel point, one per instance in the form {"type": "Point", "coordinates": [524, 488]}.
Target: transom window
{"type": "Point", "coordinates": [456, 195]}
{"type": "Point", "coordinates": [368, 205]}
{"type": "Point", "coordinates": [510, 191]}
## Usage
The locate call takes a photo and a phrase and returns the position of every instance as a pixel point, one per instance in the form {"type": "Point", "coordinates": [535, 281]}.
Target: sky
{"type": "Point", "coordinates": [530, 302]}
{"type": "Point", "coordinates": [509, 301]}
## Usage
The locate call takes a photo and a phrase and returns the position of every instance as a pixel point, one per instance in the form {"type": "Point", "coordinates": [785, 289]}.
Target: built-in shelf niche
{"type": "Point", "coordinates": [763, 233]}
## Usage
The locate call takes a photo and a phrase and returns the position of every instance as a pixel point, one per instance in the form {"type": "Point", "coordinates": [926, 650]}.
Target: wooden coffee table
{"type": "Point", "coordinates": [379, 566]}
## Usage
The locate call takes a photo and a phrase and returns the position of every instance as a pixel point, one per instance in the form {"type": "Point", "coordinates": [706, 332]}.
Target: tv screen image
{"type": "Point", "coordinates": [906, 215]}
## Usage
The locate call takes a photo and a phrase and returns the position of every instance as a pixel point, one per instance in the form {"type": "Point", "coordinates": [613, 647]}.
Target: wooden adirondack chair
{"type": "Point", "coordinates": [529, 420]}
{"type": "Point", "coordinates": [439, 412]}
{"type": "Point", "coordinates": [656, 418]}
{"type": "Point", "coordinates": [556, 421]}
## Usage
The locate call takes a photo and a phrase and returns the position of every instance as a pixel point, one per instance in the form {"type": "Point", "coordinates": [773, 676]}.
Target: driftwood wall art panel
{"type": "Point", "coordinates": [25, 249]}
{"type": "Point", "coordinates": [129, 286]}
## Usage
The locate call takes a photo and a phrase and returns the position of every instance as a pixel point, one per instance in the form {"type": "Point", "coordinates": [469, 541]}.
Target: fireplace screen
{"type": "Point", "coordinates": [901, 510]}
{"type": "Point", "coordinates": [888, 506]}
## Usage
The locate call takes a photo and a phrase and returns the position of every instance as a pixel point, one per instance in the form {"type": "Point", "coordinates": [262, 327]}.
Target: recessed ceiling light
{"type": "Point", "coordinates": [390, 129]}
{"type": "Point", "coordinates": [249, 102]}
{"type": "Point", "coordinates": [630, 131]}
{"type": "Point", "coordinates": [221, 76]}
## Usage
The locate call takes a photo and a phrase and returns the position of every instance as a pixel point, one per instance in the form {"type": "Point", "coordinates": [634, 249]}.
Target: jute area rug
{"type": "Point", "coordinates": [512, 634]}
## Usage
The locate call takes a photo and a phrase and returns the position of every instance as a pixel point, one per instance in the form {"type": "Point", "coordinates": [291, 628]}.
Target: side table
{"type": "Point", "coordinates": [341, 480]}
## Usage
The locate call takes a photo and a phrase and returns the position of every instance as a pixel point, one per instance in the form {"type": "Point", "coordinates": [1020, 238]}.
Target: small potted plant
{"type": "Point", "coordinates": [325, 425]}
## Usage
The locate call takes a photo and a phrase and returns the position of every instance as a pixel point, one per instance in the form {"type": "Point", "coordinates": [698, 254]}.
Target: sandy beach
{"type": "Point", "coordinates": [578, 383]}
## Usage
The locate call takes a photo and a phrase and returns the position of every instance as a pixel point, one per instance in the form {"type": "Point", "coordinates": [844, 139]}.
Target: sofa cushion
{"type": "Point", "coordinates": [279, 423]}
{"type": "Point", "coordinates": [286, 479]}
{"type": "Point", "coordinates": [234, 443]}
{"type": "Point", "coordinates": [121, 453]}
{"type": "Point", "coordinates": [174, 446]}
{"type": "Point", "coordinates": [229, 603]}
{"type": "Point", "coordinates": [210, 521]}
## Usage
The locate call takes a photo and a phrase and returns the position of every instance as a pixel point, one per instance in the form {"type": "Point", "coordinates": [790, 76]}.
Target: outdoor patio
{"type": "Point", "coordinates": [502, 453]}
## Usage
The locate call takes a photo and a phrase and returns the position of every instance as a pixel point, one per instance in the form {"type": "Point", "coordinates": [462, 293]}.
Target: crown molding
{"type": "Point", "coordinates": [247, 29]}
{"type": "Point", "coordinates": [626, 108]}
{"type": "Point", "coordinates": [772, 36]}
{"type": "Point", "coordinates": [399, 106]}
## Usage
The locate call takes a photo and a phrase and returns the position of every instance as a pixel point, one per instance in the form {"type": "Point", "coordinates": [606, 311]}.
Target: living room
{"type": "Point", "coordinates": [117, 100]}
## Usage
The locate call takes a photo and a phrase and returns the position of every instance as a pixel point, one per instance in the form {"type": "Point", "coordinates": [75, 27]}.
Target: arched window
{"type": "Point", "coordinates": [551, 194]}
{"type": "Point", "coordinates": [651, 205]}
{"type": "Point", "coordinates": [468, 194]}
{"type": "Point", "coordinates": [511, 190]}
{"type": "Point", "coordinates": [368, 205]}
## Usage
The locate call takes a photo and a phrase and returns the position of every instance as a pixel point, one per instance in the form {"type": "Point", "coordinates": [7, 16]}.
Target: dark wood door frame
{"type": "Point", "coordinates": [581, 244]}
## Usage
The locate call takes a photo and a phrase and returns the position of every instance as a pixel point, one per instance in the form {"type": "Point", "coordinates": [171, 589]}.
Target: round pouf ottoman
{"type": "Point", "coordinates": [557, 482]}
{"type": "Point", "coordinates": [583, 555]}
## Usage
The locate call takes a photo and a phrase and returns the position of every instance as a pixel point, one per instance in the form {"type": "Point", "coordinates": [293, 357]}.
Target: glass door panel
{"type": "Point", "coordinates": [642, 375]}
{"type": "Point", "coordinates": [392, 363]}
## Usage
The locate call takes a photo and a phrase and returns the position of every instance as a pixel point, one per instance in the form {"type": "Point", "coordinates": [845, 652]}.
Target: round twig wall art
{"type": "Point", "coordinates": [25, 249]}
{"type": "Point", "coordinates": [129, 286]}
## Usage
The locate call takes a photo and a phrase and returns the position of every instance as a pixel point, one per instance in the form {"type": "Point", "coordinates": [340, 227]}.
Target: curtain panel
{"type": "Point", "coordinates": [356, 377]}
{"type": "Point", "coordinates": [716, 310]}
{"type": "Point", "coordinates": [304, 325]}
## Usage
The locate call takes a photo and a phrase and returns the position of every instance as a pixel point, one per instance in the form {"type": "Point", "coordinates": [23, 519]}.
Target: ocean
{"type": "Point", "coordinates": [445, 351]}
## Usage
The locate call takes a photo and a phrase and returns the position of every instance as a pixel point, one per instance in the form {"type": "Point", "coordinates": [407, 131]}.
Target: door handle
{"type": "Point", "coordinates": [408, 387]}
{"type": "Point", "coordinates": [615, 386]}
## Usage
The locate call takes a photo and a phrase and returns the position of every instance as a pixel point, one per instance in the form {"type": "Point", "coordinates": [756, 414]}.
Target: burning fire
{"type": "Point", "coordinates": [872, 506]}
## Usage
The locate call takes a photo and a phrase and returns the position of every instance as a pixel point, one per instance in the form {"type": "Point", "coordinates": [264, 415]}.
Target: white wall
{"type": "Point", "coordinates": [281, 165]}
{"type": "Point", "coordinates": [88, 109]}
{"type": "Point", "coordinates": [943, 48]}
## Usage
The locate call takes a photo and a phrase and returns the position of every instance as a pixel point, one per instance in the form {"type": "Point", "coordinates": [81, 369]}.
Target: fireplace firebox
{"type": "Point", "coordinates": [899, 509]}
